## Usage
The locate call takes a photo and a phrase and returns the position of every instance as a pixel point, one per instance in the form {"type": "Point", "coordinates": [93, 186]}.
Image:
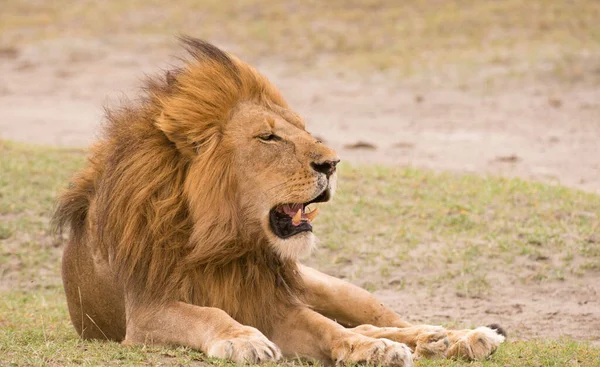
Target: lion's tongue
{"type": "Point", "coordinates": [292, 209]}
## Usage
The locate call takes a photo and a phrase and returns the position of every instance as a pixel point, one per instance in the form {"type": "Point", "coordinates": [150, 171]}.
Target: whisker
{"type": "Point", "coordinates": [277, 186]}
{"type": "Point", "coordinates": [266, 193]}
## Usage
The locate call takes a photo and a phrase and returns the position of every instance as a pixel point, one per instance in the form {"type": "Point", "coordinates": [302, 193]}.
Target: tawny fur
{"type": "Point", "coordinates": [169, 228]}
{"type": "Point", "coordinates": [169, 232]}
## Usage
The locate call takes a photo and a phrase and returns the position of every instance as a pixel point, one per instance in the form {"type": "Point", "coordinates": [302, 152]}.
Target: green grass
{"type": "Point", "coordinates": [444, 229]}
{"type": "Point", "coordinates": [460, 40]}
{"type": "Point", "coordinates": [35, 331]}
{"type": "Point", "coordinates": [29, 181]}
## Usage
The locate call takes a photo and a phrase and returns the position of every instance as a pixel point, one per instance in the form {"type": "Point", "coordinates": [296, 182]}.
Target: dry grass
{"type": "Point", "coordinates": [442, 41]}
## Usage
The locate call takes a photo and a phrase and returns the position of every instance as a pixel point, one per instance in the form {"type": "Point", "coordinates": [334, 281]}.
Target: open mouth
{"type": "Point", "coordinates": [290, 219]}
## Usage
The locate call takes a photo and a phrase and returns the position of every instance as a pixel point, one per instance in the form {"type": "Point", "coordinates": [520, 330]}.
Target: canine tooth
{"type": "Point", "coordinates": [311, 216]}
{"type": "Point", "coordinates": [311, 207]}
{"type": "Point", "coordinates": [297, 218]}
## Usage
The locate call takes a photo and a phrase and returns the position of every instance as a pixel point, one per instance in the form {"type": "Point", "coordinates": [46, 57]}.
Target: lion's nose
{"type": "Point", "coordinates": [326, 167]}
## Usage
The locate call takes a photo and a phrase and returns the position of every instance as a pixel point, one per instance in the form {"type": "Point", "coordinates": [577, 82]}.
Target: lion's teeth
{"type": "Point", "coordinates": [311, 216]}
{"type": "Point", "coordinates": [297, 218]}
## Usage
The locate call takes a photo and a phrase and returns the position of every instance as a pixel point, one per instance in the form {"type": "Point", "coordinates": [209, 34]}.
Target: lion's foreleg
{"type": "Point", "coordinates": [346, 303]}
{"type": "Point", "coordinates": [308, 334]}
{"type": "Point", "coordinates": [207, 329]}
{"type": "Point", "coordinates": [355, 307]}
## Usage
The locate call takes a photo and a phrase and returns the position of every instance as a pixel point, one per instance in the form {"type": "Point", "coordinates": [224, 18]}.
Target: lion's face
{"type": "Point", "coordinates": [281, 169]}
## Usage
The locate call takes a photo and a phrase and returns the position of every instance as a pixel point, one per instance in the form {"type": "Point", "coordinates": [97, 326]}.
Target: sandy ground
{"type": "Point", "coordinates": [52, 93]}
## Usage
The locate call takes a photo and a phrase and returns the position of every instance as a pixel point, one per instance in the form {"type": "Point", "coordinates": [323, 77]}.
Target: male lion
{"type": "Point", "coordinates": [186, 225]}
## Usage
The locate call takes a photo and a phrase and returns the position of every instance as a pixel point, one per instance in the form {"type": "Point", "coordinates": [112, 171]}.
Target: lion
{"type": "Point", "coordinates": [186, 226]}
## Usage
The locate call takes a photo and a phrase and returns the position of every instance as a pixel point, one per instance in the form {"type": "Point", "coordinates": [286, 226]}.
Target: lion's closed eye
{"type": "Point", "coordinates": [268, 137]}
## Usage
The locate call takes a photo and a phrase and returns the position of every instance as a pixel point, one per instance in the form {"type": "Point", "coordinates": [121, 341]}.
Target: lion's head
{"type": "Point", "coordinates": [252, 163]}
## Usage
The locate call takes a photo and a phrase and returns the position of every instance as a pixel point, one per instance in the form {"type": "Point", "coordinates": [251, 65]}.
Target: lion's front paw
{"type": "Point", "coordinates": [358, 349]}
{"type": "Point", "coordinates": [431, 342]}
{"type": "Point", "coordinates": [475, 344]}
{"type": "Point", "coordinates": [245, 346]}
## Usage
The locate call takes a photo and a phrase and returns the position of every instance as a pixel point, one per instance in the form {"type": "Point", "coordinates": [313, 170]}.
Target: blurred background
{"type": "Point", "coordinates": [507, 87]}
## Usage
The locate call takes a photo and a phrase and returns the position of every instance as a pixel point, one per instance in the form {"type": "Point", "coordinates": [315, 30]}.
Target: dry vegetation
{"type": "Point", "coordinates": [440, 41]}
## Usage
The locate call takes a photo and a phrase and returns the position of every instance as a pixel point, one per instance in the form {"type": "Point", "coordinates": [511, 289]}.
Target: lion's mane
{"type": "Point", "coordinates": [170, 232]}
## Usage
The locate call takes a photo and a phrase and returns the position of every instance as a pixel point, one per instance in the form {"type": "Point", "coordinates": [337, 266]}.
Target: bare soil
{"type": "Point", "coordinates": [53, 93]}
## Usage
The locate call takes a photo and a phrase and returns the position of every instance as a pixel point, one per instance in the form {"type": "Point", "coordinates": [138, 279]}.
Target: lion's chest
{"type": "Point", "coordinates": [251, 292]}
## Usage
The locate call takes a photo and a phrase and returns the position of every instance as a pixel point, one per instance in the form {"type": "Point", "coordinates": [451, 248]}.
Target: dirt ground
{"type": "Point", "coordinates": [53, 92]}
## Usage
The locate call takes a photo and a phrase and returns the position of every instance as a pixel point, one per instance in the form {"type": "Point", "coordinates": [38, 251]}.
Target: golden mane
{"type": "Point", "coordinates": [170, 232]}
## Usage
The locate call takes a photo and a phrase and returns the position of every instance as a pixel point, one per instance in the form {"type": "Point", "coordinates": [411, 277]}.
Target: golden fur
{"type": "Point", "coordinates": [165, 239]}
{"type": "Point", "coordinates": [169, 228]}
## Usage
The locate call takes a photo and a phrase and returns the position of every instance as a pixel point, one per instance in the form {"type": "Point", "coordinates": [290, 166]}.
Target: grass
{"type": "Point", "coordinates": [443, 229]}
{"type": "Point", "coordinates": [438, 40]}
{"type": "Point", "coordinates": [28, 186]}
{"type": "Point", "coordinates": [524, 231]}
{"type": "Point", "coordinates": [35, 331]}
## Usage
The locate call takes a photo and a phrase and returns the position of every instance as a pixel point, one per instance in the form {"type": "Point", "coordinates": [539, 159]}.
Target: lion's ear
{"type": "Point", "coordinates": [188, 143]}
{"type": "Point", "coordinates": [173, 132]}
